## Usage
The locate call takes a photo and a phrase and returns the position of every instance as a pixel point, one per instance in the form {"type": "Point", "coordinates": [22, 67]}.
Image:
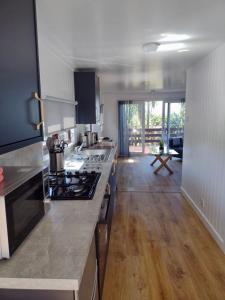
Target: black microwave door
{"type": "Point", "coordinates": [24, 209]}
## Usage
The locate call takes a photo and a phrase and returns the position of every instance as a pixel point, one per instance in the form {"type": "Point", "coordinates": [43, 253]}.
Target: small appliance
{"type": "Point", "coordinates": [21, 206]}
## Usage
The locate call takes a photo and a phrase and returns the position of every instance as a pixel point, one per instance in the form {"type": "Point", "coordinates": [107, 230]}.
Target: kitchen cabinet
{"type": "Point", "coordinates": [103, 228]}
{"type": "Point", "coordinates": [19, 76]}
{"type": "Point", "coordinates": [88, 287]}
{"type": "Point", "coordinates": [87, 94]}
{"type": "Point", "coordinates": [14, 294]}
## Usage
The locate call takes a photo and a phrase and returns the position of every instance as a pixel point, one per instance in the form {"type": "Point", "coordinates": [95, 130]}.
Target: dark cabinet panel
{"type": "Point", "coordinates": [87, 95]}
{"type": "Point", "coordinates": [19, 75]}
{"type": "Point", "coordinates": [13, 294]}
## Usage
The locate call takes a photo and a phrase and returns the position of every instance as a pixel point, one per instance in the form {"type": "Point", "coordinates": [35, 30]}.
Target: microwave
{"type": "Point", "coordinates": [20, 210]}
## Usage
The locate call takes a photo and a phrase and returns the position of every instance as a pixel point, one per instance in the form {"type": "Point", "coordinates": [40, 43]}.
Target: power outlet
{"type": "Point", "coordinates": [201, 203]}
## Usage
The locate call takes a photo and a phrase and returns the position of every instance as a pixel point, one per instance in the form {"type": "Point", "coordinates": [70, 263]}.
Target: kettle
{"type": "Point", "coordinates": [56, 155]}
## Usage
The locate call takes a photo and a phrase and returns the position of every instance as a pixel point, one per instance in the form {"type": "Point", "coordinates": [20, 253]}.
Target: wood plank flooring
{"type": "Point", "coordinates": [159, 249]}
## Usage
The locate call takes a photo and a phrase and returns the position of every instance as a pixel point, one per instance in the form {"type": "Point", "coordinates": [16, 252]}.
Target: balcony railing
{"type": "Point", "coordinates": [151, 135]}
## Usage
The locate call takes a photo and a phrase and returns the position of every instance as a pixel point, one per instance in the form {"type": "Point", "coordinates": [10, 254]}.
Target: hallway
{"type": "Point", "coordinates": [159, 248]}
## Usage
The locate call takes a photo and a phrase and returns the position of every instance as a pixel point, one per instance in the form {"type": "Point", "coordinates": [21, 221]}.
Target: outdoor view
{"type": "Point", "coordinates": [151, 121]}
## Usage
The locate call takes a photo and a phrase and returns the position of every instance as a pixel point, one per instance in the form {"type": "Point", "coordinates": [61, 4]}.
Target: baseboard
{"type": "Point", "coordinates": [215, 235]}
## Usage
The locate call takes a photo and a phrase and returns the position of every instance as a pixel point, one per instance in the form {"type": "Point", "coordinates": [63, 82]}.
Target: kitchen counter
{"type": "Point", "coordinates": [53, 256]}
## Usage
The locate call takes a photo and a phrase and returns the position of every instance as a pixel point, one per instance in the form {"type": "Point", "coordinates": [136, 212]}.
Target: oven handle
{"type": "Point", "coordinates": [108, 189]}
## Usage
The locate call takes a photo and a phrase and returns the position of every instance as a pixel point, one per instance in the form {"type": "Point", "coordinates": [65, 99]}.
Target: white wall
{"type": "Point", "coordinates": [110, 100]}
{"type": "Point", "coordinates": [56, 78]}
{"type": "Point", "coordinates": [203, 180]}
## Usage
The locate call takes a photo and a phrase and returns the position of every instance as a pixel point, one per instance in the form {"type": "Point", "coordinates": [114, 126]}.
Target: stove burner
{"type": "Point", "coordinates": [73, 185]}
{"type": "Point", "coordinates": [76, 188]}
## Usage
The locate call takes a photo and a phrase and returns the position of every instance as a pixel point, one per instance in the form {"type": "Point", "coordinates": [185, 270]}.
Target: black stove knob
{"type": "Point", "coordinates": [77, 173]}
{"type": "Point", "coordinates": [85, 173]}
{"type": "Point", "coordinates": [93, 172]}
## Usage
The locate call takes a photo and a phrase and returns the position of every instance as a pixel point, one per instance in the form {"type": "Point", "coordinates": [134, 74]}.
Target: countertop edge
{"type": "Point", "coordinates": [39, 284]}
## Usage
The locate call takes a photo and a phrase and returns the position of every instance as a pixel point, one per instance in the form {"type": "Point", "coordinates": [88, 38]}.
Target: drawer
{"type": "Point", "coordinates": [88, 280]}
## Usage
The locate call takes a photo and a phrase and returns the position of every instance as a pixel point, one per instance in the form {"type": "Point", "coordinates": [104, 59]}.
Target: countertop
{"type": "Point", "coordinates": [54, 255]}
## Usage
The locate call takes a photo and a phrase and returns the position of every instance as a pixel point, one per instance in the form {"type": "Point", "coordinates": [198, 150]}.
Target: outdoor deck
{"type": "Point", "coordinates": [150, 136]}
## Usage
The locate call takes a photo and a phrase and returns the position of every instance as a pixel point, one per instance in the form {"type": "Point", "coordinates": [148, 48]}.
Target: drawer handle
{"type": "Point", "coordinates": [114, 167]}
{"type": "Point", "coordinates": [36, 97]}
{"type": "Point", "coordinates": [108, 188]}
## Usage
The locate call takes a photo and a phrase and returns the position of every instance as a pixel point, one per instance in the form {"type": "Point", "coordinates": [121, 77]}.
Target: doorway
{"type": "Point", "coordinates": [143, 124]}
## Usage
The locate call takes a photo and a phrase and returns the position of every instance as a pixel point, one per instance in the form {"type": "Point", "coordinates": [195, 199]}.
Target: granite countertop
{"type": "Point", "coordinates": [54, 255]}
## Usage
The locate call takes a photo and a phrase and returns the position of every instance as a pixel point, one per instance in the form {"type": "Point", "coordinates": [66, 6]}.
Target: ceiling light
{"type": "Point", "coordinates": [183, 50]}
{"type": "Point", "coordinates": [170, 47]}
{"type": "Point", "coordinates": [150, 47]}
{"type": "Point", "coordinates": [174, 37]}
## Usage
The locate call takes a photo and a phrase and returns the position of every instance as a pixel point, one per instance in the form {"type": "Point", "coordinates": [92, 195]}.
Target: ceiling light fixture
{"type": "Point", "coordinates": [150, 47]}
{"type": "Point", "coordinates": [170, 47]}
{"type": "Point", "coordinates": [167, 37]}
{"type": "Point", "coordinates": [183, 50]}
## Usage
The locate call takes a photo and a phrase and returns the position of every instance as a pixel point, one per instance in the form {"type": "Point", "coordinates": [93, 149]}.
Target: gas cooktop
{"type": "Point", "coordinates": [71, 185]}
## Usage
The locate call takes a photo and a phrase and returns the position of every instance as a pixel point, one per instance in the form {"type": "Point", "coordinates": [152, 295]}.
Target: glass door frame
{"type": "Point", "coordinates": [166, 115]}
{"type": "Point", "coordinates": [165, 121]}
{"type": "Point", "coordinates": [142, 105]}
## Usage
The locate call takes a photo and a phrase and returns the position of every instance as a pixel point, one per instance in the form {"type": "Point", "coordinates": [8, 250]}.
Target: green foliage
{"type": "Point", "coordinates": [153, 118]}
{"type": "Point", "coordinates": [161, 144]}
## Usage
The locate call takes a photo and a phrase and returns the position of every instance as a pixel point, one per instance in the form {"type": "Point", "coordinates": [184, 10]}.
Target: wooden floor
{"type": "Point", "coordinates": [159, 249]}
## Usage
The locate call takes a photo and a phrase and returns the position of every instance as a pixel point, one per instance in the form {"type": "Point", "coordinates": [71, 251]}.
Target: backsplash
{"type": "Point", "coordinates": [27, 156]}
{"type": "Point", "coordinates": [32, 155]}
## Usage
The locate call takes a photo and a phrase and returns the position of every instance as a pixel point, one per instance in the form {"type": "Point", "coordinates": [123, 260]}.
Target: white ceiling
{"type": "Point", "coordinates": [108, 35]}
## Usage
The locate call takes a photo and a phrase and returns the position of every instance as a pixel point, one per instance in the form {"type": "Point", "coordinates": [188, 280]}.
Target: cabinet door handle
{"type": "Point", "coordinates": [36, 97]}
{"type": "Point", "coordinates": [114, 167]}
{"type": "Point", "coordinates": [108, 189]}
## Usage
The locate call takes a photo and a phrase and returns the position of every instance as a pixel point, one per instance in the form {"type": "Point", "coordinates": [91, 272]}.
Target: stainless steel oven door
{"type": "Point", "coordinates": [24, 207]}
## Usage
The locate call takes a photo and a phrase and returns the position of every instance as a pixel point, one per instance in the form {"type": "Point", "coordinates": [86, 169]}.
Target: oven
{"type": "Point", "coordinates": [103, 229]}
{"type": "Point", "coordinates": [45, 173]}
{"type": "Point", "coordinates": [20, 210]}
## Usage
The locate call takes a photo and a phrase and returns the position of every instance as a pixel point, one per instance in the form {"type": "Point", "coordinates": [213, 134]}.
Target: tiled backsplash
{"type": "Point", "coordinates": [27, 156]}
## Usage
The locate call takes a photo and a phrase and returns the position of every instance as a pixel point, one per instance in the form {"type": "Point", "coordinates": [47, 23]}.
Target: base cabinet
{"type": "Point", "coordinates": [6, 294]}
{"type": "Point", "coordinates": [88, 282]}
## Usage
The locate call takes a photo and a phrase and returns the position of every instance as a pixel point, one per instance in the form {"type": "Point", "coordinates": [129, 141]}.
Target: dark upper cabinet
{"type": "Point", "coordinates": [19, 75]}
{"type": "Point", "coordinates": [87, 95]}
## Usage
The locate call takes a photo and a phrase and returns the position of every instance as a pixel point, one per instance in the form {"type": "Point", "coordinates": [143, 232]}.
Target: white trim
{"type": "Point", "coordinates": [39, 284]}
{"type": "Point", "coordinates": [142, 95]}
{"type": "Point", "coordinates": [150, 92]}
{"type": "Point", "coordinates": [215, 235]}
{"type": "Point", "coordinates": [61, 100]}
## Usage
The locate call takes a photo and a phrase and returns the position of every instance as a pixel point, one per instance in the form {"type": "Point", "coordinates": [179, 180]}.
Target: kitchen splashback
{"type": "Point", "coordinates": [27, 156]}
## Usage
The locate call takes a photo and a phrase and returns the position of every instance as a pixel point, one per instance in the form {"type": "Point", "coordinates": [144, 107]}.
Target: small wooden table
{"type": "Point", "coordinates": [163, 156]}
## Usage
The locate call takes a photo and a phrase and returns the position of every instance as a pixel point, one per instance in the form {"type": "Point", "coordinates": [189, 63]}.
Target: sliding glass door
{"type": "Point", "coordinates": [136, 127]}
{"type": "Point", "coordinates": [152, 124]}
{"type": "Point", "coordinates": [173, 120]}
{"type": "Point", "coordinates": [144, 123]}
